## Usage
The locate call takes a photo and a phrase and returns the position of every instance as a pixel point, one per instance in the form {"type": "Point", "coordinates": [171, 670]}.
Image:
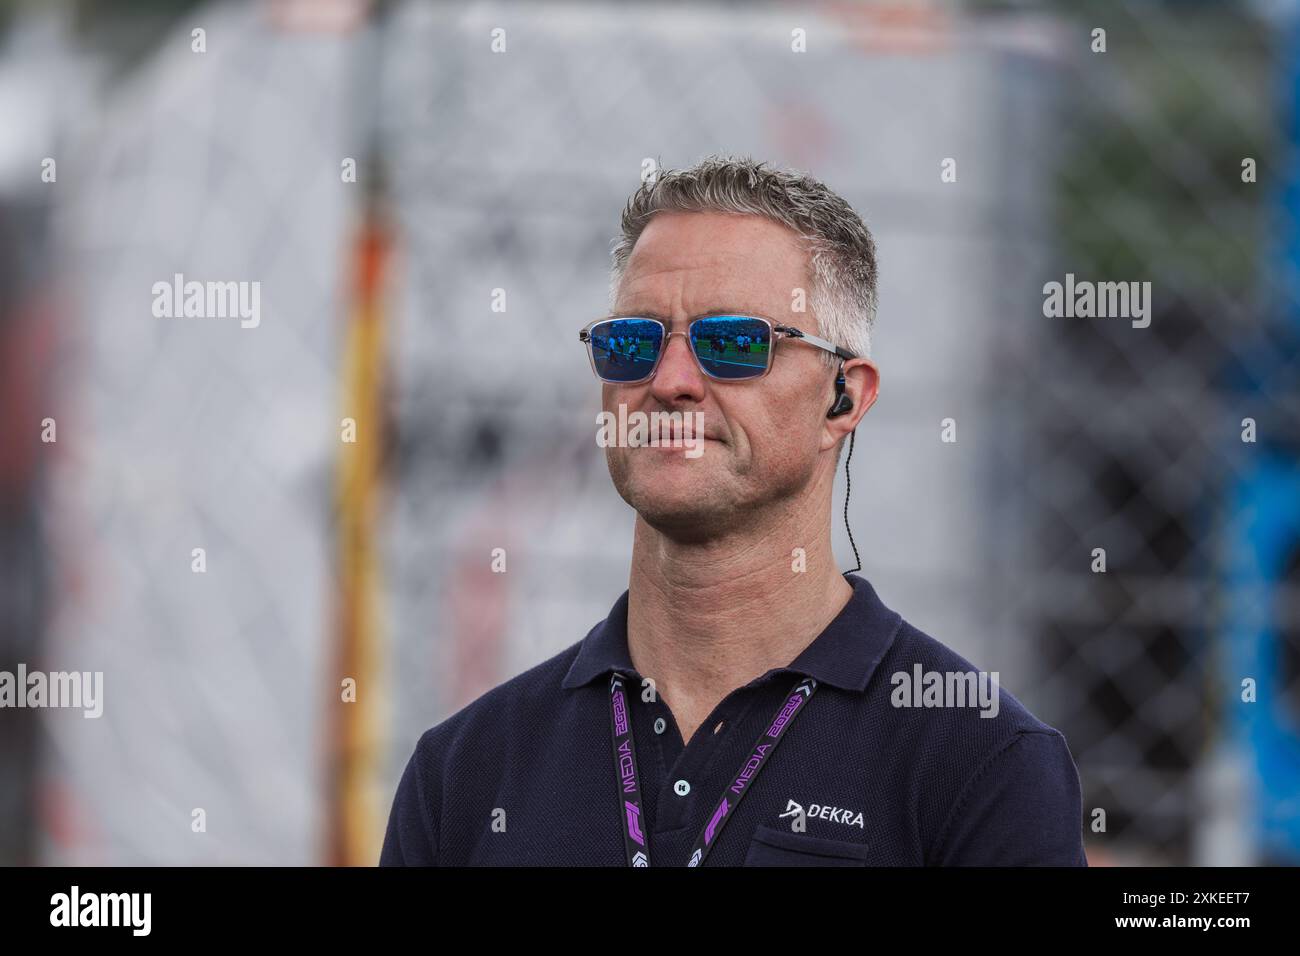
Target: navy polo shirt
{"type": "Point", "coordinates": [525, 774]}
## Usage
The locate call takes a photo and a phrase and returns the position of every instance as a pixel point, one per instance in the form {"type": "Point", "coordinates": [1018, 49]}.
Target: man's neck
{"type": "Point", "coordinates": [705, 619]}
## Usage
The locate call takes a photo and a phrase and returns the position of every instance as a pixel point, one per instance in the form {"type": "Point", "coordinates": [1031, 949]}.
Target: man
{"type": "Point", "coordinates": [744, 703]}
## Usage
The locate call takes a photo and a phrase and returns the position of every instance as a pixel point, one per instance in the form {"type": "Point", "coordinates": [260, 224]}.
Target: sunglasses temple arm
{"type": "Point", "coordinates": [817, 341]}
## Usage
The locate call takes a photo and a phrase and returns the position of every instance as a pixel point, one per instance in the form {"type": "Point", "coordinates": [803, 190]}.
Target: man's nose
{"type": "Point", "coordinates": [678, 374]}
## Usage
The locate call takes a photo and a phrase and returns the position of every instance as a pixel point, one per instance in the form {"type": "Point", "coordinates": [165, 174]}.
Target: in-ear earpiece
{"type": "Point", "coordinates": [843, 404]}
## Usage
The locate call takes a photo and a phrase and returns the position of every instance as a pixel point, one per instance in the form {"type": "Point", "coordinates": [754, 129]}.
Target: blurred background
{"type": "Point", "coordinates": [381, 172]}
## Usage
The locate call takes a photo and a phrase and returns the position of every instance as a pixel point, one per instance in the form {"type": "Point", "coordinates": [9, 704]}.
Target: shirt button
{"type": "Point", "coordinates": [681, 788]}
{"type": "Point", "coordinates": [660, 724]}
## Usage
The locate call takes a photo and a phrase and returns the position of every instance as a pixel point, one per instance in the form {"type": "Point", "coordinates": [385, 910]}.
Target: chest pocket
{"type": "Point", "coordinates": [774, 846]}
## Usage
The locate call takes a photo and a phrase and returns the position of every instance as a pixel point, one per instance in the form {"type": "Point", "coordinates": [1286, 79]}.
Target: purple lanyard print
{"type": "Point", "coordinates": [629, 781]}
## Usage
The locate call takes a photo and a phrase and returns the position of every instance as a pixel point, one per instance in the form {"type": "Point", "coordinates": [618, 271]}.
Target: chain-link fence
{"type": "Point", "coordinates": [1137, 434]}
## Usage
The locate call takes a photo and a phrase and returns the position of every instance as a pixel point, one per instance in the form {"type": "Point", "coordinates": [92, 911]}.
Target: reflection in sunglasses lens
{"type": "Point", "coordinates": [624, 350]}
{"type": "Point", "coordinates": [731, 346]}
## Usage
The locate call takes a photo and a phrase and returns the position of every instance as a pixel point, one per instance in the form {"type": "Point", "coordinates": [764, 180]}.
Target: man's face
{"type": "Point", "coordinates": [762, 437]}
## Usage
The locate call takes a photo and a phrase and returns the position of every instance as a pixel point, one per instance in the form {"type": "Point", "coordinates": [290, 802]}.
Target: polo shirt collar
{"type": "Point", "coordinates": [844, 655]}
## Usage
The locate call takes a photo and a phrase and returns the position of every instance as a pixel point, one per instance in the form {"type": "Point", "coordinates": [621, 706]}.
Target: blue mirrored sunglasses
{"type": "Point", "coordinates": [625, 350]}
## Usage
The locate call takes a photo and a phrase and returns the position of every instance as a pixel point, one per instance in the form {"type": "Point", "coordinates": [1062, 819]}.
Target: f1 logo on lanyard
{"type": "Point", "coordinates": [629, 781]}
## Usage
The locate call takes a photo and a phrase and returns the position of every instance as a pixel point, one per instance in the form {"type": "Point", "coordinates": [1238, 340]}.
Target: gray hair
{"type": "Point", "coordinates": [841, 251]}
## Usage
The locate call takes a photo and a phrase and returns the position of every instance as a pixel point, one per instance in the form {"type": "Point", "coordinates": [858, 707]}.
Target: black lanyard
{"type": "Point", "coordinates": [629, 781]}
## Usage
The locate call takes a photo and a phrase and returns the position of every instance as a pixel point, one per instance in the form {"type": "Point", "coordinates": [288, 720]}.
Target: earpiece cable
{"type": "Point", "coordinates": [848, 488]}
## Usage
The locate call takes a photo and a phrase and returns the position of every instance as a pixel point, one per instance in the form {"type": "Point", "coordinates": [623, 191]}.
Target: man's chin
{"type": "Point", "coordinates": [671, 490]}
{"type": "Point", "coordinates": [685, 524]}
{"type": "Point", "coordinates": [683, 513]}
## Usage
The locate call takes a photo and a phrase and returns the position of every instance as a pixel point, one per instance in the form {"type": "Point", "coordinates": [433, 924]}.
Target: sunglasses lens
{"type": "Point", "coordinates": [732, 346]}
{"type": "Point", "coordinates": [625, 350]}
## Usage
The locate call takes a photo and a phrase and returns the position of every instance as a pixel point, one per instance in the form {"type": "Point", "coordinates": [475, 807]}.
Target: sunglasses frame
{"type": "Point", "coordinates": [775, 334]}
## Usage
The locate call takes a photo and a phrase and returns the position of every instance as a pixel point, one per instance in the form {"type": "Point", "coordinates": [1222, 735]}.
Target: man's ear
{"type": "Point", "coordinates": [843, 401]}
{"type": "Point", "coordinates": [861, 387]}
